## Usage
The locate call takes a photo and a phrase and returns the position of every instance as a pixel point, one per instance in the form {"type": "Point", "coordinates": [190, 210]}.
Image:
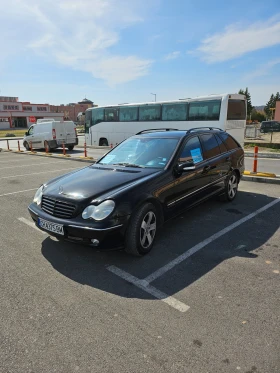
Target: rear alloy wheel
{"type": "Point", "coordinates": [231, 187]}
{"type": "Point", "coordinates": [141, 232]}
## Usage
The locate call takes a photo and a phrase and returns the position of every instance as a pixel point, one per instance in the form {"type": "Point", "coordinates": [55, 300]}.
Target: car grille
{"type": "Point", "coordinates": [56, 208]}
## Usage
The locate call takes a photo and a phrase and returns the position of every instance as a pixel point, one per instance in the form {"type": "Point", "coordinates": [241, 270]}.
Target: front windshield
{"type": "Point", "coordinates": [142, 152]}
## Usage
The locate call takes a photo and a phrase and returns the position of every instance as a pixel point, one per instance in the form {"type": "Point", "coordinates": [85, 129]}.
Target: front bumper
{"type": "Point", "coordinates": [83, 232]}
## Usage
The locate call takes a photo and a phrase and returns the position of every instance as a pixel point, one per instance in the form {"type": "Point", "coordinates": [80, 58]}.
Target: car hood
{"type": "Point", "coordinates": [96, 180]}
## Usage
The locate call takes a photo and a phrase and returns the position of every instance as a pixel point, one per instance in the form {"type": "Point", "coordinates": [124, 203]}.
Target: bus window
{"type": "Point", "coordinates": [88, 122]}
{"type": "Point", "coordinates": [205, 110]}
{"type": "Point", "coordinates": [112, 114]}
{"type": "Point", "coordinates": [97, 116]}
{"type": "Point", "coordinates": [236, 110]}
{"type": "Point", "coordinates": [149, 112]}
{"type": "Point", "coordinates": [128, 113]}
{"type": "Point", "coordinates": [174, 111]}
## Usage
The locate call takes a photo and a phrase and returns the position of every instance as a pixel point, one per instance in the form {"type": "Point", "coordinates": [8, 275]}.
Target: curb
{"type": "Point", "coordinates": [259, 179]}
{"type": "Point", "coordinates": [83, 160]}
{"type": "Point", "coordinates": [262, 174]}
{"type": "Point", "coordinates": [263, 155]}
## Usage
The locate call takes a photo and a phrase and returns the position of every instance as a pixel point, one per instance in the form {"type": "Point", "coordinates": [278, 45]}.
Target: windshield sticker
{"type": "Point", "coordinates": [108, 158]}
{"type": "Point", "coordinates": [196, 155]}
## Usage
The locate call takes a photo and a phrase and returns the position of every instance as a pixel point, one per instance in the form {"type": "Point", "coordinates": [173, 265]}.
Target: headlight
{"type": "Point", "coordinates": [99, 212]}
{"type": "Point", "coordinates": [38, 195]}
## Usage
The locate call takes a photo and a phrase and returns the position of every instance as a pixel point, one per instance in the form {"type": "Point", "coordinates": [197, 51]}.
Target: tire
{"type": "Point", "coordinates": [47, 146]}
{"type": "Point", "coordinates": [231, 187]}
{"type": "Point", "coordinates": [70, 147]}
{"type": "Point", "coordinates": [26, 145]}
{"type": "Point", "coordinates": [103, 142]}
{"type": "Point", "coordinates": [138, 239]}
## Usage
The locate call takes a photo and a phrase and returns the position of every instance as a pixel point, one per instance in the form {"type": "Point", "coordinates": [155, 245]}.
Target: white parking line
{"type": "Point", "coordinates": [20, 191]}
{"type": "Point", "coordinates": [149, 289]}
{"type": "Point", "coordinates": [30, 164]}
{"type": "Point", "coordinates": [144, 284]}
{"type": "Point", "coordinates": [36, 173]}
{"type": "Point", "coordinates": [30, 224]}
{"type": "Point", "coordinates": [161, 271]}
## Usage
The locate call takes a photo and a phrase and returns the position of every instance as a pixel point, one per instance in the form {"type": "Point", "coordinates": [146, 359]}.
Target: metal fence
{"type": "Point", "coordinates": [252, 131]}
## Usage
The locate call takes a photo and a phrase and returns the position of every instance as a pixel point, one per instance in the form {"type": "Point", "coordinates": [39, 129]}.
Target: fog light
{"type": "Point", "coordinates": [95, 242]}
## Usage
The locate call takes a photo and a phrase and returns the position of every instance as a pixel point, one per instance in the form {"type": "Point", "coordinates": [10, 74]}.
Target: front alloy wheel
{"type": "Point", "coordinates": [140, 234]}
{"type": "Point", "coordinates": [148, 229]}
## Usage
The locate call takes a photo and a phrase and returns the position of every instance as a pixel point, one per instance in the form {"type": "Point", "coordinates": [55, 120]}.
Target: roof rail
{"type": "Point", "coordinates": [203, 128]}
{"type": "Point", "coordinates": [157, 129]}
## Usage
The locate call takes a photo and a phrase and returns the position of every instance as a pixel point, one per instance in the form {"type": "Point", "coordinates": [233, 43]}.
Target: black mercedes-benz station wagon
{"type": "Point", "coordinates": [122, 199]}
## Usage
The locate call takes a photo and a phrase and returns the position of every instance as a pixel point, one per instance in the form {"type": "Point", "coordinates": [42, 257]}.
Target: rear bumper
{"type": "Point", "coordinates": [57, 144]}
{"type": "Point", "coordinates": [83, 232]}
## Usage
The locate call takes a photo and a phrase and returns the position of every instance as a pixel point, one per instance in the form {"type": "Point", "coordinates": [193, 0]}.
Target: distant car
{"type": "Point", "coordinates": [122, 199]}
{"type": "Point", "coordinates": [270, 126]}
{"type": "Point", "coordinates": [51, 134]}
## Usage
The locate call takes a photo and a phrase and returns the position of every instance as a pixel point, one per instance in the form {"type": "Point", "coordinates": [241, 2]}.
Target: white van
{"type": "Point", "coordinates": [51, 135]}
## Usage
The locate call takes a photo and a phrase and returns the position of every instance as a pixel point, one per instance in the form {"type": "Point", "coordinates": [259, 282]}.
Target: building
{"type": "Point", "coordinates": [277, 111]}
{"type": "Point", "coordinates": [72, 111]}
{"type": "Point", "coordinates": [17, 114]}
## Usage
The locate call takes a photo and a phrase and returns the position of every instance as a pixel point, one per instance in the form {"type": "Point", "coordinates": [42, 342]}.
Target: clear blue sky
{"type": "Point", "coordinates": [114, 51]}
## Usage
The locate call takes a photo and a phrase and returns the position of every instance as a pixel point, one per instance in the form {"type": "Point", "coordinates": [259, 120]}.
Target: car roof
{"type": "Point", "coordinates": [175, 133]}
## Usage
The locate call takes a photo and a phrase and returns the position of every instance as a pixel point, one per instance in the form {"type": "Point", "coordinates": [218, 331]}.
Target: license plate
{"type": "Point", "coordinates": [52, 227]}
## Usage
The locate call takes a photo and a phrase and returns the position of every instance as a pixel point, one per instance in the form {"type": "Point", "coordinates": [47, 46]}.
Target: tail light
{"type": "Point", "coordinates": [75, 131]}
{"type": "Point", "coordinates": [53, 134]}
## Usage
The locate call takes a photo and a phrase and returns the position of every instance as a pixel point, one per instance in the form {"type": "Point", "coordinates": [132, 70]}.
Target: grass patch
{"type": "Point", "coordinates": [13, 133]}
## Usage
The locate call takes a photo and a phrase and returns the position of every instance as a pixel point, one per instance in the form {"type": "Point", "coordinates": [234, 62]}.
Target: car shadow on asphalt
{"type": "Point", "coordinates": [88, 266]}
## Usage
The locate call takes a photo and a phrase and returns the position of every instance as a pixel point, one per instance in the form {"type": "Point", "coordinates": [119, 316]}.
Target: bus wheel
{"type": "Point", "coordinates": [103, 142]}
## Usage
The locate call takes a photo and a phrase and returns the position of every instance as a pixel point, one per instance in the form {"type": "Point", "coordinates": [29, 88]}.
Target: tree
{"type": "Point", "coordinates": [258, 116]}
{"type": "Point", "coordinates": [249, 102]}
{"type": "Point", "coordinates": [270, 104]}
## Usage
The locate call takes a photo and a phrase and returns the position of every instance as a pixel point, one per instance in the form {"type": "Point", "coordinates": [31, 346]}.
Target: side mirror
{"type": "Point", "coordinates": [26, 133]}
{"type": "Point", "coordinates": [186, 166]}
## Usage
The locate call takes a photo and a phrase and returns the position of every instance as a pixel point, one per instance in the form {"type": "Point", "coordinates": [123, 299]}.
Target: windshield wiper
{"type": "Point", "coordinates": [126, 164]}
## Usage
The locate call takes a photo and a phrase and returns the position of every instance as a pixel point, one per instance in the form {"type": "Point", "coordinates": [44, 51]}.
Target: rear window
{"type": "Point", "coordinates": [228, 140]}
{"type": "Point", "coordinates": [236, 110]}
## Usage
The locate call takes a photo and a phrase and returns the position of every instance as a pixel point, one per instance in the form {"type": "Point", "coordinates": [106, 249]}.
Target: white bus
{"type": "Point", "coordinates": [112, 124]}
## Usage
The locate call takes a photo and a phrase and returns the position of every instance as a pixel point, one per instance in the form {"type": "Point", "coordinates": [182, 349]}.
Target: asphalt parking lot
{"type": "Point", "coordinates": [207, 298]}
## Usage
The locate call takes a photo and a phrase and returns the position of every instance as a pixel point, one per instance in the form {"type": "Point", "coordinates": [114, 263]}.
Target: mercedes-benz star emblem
{"type": "Point", "coordinates": [60, 190]}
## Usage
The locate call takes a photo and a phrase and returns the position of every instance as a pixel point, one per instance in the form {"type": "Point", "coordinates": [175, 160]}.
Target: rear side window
{"type": "Point", "coordinates": [221, 145]}
{"type": "Point", "coordinates": [236, 110]}
{"type": "Point", "coordinates": [149, 112]}
{"type": "Point", "coordinates": [228, 140]}
{"type": "Point", "coordinates": [192, 151]}
{"type": "Point", "coordinates": [210, 145]}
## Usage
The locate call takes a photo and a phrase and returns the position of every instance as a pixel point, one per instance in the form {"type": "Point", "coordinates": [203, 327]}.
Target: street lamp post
{"type": "Point", "coordinates": [154, 94]}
